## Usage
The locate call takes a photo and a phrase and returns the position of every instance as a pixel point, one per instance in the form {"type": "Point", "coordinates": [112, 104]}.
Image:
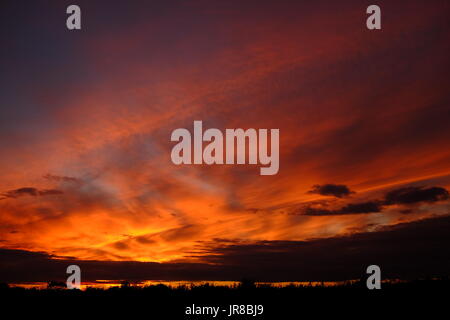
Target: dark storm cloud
{"type": "Point", "coordinates": [336, 190]}
{"type": "Point", "coordinates": [409, 250]}
{"type": "Point", "coordinates": [351, 208]}
{"type": "Point", "coordinates": [29, 191]}
{"type": "Point", "coordinates": [362, 207]}
{"type": "Point", "coordinates": [411, 195]}
{"type": "Point", "coordinates": [406, 250]}
{"type": "Point", "coordinates": [26, 266]}
{"type": "Point", "coordinates": [401, 196]}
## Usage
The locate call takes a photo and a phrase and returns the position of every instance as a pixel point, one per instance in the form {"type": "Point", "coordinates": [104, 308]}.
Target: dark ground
{"type": "Point", "coordinates": [426, 299]}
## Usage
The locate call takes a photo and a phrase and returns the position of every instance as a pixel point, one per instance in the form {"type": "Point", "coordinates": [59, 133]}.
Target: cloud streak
{"type": "Point", "coordinates": [336, 190]}
{"type": "Point", "coordinates": [29, 191]}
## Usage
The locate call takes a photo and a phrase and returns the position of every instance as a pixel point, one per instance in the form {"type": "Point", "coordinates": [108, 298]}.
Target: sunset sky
{"type": "Point", "coordinates": [86, 118]}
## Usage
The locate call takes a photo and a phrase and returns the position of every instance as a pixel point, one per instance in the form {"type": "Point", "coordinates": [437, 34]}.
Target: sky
{"type": "Point", "coordinates": [86, 118]}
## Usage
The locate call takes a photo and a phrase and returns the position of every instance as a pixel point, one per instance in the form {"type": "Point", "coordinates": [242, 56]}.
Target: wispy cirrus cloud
{"type": "Point", "coordinates": [29, 191]}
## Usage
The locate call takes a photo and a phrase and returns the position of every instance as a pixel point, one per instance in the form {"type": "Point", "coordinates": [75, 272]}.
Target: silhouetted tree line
{"type": "Point", "coordinates": [288, 302]}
